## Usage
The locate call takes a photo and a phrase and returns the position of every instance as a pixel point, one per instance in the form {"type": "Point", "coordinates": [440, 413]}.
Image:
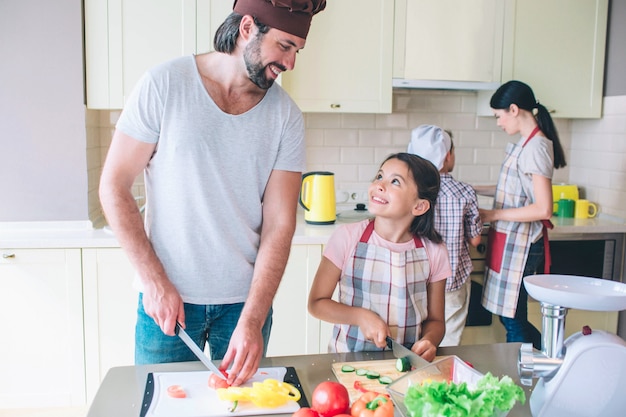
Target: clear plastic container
{"type": "Point", "coordinates": [451, 368]}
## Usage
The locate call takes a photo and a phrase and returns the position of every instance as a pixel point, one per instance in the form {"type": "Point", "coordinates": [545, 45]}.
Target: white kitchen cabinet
{"type": "Point", "coordinates": [346, 64]}
{"type": "Point", "coordinates": [558, 48]}
{"type": "Point", "coordinates": [110, 313]}
{"type": "Point", "coordinates": [440, 43]}
{"type": "Point", "coordinates": [294, 330]}
{"type": "Point", "coordinates": [41, 315]}
{"type": "Point", "coordinates": [124, 38]}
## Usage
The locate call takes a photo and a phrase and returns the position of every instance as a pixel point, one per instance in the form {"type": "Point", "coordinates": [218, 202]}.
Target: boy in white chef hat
{"type": "Point", "coordinates": [456, 219]}
{"type": "Point", "coordinates": [432, 143]}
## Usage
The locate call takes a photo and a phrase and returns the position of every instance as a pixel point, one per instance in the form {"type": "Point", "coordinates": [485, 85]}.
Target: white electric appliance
{"type": "Point", "coordinates": [585, 375]}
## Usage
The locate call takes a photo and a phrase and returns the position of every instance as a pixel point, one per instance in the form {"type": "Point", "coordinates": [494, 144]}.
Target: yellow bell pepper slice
{"type": "Point", "coordinates": [233, 394]}
{"type": "Point", "coordinates": [267, 394]}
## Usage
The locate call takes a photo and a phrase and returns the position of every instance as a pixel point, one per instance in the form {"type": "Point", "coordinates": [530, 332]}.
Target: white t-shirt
{"type": "Point", "coordinates": [537, 158]}
{"type": "Point", "coordinates": [206, 179]}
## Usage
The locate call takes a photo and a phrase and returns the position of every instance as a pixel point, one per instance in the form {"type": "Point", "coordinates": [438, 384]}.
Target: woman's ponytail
{"type": "Point", "coordinates": [546, 124]}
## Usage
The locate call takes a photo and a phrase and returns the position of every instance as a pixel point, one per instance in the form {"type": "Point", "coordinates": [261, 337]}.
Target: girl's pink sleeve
{"type": "Point", "coordinates": [341, 243]}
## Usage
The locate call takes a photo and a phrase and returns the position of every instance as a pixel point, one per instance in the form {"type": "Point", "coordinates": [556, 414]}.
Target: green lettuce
{"type": "Point", "coordinates": [449, 399]}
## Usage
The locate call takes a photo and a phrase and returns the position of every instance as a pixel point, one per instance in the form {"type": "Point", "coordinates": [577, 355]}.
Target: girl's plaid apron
{"type": "Point", "coordinates": [508, 242]}
{"type": "Point", "coordinates": [391, 284]}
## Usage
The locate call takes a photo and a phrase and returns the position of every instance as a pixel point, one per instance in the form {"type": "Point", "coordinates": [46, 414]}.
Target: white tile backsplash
{"type": "Point", "coordinates": [598, 157]}
{"type": "Point", "coordinates": [353, 145]}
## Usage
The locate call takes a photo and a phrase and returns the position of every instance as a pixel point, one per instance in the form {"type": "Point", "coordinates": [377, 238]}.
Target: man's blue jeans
{"type": "Point", "coordinates": [204, 323]}
{"type": "Point", "coordinates": [519, 329]}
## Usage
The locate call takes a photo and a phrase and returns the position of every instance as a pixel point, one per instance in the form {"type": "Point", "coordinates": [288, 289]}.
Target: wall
{"type": "Point", "coordinates": [353, 145]}
{"type": "Point", "coordinates": [598, 157]}
{"type": "Point", "coordinates": [42, 140]}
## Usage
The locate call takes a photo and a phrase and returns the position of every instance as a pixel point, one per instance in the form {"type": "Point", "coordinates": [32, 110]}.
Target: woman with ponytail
{"type": "Point", "coordinates": [522, 207]}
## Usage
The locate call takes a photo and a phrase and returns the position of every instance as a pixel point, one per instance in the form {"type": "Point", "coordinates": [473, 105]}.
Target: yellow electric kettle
{"type": "Point", "coordinates": [317, 197]}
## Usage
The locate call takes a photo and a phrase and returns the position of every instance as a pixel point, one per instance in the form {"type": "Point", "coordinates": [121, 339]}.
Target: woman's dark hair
{"type": "Point", "coordinates": [226, 35]}
{"type": "Point", "coordinates": [520, 94]}
{"type": "Point", "coordinates": [428, 181]}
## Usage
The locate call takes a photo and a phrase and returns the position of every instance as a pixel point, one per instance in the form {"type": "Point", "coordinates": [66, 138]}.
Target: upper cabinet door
{"type": "Point", "coordinates": [449, 40]}
{"type": "Point", "coordinates": [124, 38]}
{"type": "Point", "coordinates": [346, 63]}
{"type": "Point", "coordinates": [558, 48]}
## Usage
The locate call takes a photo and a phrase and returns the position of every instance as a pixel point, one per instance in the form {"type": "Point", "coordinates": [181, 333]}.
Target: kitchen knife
{"type": "Point", "coordinates": [197, 351]}
{"type": "Point", "coordinates": [400, 351]}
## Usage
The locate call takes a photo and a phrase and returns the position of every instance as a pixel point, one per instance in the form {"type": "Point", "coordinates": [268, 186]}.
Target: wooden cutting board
{"type": "Point", "coordinates": [383, 367]}
{"type": "Point", "coordinates": [202, 401]}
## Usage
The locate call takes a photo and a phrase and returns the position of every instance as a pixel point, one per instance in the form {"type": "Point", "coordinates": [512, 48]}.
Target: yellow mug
{"type": "Point", "coordinates": [585, 209]}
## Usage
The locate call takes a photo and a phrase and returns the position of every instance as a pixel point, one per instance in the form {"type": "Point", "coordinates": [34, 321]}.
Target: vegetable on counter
{"type": "Point", "coordinates": [330, 399]}
{"type": "Point", "coordinates": [359, 387]}
{"type": "Point", "coordinates": [267, 394]}
{"type": "Point", "coordinates": [216, 382]}
{"type": "Point", "coordinates": [372, 404]}
{"type": "Point", "coordinates": [176, 391]}
{"type": "Point", "coordinates": [442, 398]}
{"type": "Point", "coordinates": [403, 364]}
{"type": "Point", "coordinates": [306, 412]}
{"type": "Point", "coordinates": [372, 374]}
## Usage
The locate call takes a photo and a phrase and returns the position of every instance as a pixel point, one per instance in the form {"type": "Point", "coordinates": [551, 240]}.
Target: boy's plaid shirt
{"type": "Point", "coordinates": [457, 219]}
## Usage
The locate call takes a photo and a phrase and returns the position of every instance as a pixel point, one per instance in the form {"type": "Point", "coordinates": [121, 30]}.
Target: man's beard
{"type": "Point", "coordinates": [256, 70]}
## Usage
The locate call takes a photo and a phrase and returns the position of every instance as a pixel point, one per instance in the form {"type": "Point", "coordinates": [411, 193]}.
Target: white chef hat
{"type": "Point", "coordinates": [430, 142]}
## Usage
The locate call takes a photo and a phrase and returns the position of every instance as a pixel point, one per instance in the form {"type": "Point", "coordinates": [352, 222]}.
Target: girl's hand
{"type": "Point", "coordinates": [425, 349]}
{"type": "Point", "coordinates": [373, 328]}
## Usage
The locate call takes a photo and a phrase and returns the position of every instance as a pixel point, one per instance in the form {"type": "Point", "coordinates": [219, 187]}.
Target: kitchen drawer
{"type": "Point", "coordinates": [31, 256]}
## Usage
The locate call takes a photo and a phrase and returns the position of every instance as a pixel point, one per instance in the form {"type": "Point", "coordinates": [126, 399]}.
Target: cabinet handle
{"type": "Point", "coordinates": [8, 255]}
{"type": "Point", "coordinates": [481, 248]}
{"type": "Point", "coordinates": [335, 106]}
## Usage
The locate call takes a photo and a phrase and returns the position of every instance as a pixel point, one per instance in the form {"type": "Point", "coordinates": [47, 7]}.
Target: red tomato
{"type": "Point", "coordinates": [306, 412]}
{"type": "Point", "coordinates": [330, 399]}
{"type": "Point", "coordinates": [216, 382]}
{"type": "Point", "coordinates": [176, 391]}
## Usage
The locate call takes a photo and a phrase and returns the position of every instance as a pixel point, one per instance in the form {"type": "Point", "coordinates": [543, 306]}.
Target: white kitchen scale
{"type": "Point", "coordinates": [585, 375]}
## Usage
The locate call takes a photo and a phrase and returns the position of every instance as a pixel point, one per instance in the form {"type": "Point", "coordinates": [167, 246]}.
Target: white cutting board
{"type": "Point", "coordinates": [202, 401]}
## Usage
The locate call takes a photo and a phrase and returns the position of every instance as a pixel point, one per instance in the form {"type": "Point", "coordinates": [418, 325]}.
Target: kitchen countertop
{"type": "Point", "coordinates": [121, 391]}
{"type": "Point", "coordinates": [81, 234]}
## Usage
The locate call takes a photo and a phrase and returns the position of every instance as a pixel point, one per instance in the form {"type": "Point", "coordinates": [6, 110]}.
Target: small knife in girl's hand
{"type": "Point", "coordinates": [400, 351]}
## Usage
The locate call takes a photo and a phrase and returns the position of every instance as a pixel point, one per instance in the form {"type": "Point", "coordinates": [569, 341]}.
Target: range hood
{"type": "Point", "coordinates": [444, 85]}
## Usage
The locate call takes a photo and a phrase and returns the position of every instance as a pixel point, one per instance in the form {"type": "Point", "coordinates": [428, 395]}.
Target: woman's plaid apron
{"type": "Point", "coordinates": [391, 284]}
{"type": "Point", "coordinates": [508, 242]}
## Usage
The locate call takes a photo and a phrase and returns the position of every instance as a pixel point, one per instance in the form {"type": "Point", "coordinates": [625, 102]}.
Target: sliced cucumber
{"type": "Point", "coordinates": [385, 380]}
{"type": "Point", "coordinates": [347, 368]}
{"type": "Point", "coordinates": [403, 364]}
{"type": "Point", "coordinates": [372, 375]}
{"type": "Point", "coordinates": [361, 372]}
